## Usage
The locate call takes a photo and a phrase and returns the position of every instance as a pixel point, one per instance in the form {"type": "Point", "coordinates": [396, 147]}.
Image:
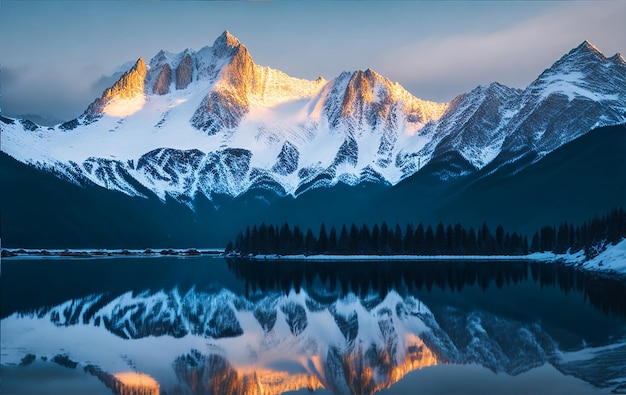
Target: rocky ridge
{"type": "Point", "coordinates": [212, 122]}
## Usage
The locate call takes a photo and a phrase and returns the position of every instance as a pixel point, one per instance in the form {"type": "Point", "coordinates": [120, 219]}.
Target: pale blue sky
{"type": "Point", "coordinates": [56, 55]}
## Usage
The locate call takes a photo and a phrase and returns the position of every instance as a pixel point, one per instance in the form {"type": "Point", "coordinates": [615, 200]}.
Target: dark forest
{"type": "Point", "coordinates": [593, 236]}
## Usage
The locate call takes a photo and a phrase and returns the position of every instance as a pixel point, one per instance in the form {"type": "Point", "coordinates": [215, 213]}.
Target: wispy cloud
{"type": "Point", "coordinates": [513, 55]}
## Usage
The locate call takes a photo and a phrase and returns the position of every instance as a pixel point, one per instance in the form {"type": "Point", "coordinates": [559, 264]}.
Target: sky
{"type": "Point", "coordinates": [56, 57]}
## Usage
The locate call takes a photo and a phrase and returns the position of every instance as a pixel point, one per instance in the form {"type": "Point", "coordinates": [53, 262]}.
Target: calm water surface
{"type": "Point", "coordinates": [207, 325]}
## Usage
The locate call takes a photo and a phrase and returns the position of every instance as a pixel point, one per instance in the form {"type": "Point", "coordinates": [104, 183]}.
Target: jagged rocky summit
{"type": "Point", "coordinates": [212, 122]}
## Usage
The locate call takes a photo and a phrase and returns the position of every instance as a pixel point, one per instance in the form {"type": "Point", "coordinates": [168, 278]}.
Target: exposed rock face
{"type": "Point", "coordinates": [130, 85]}
{"type": "Point", "coordinates": [292, 135]}
{"type": "Point", "coordinates": [162, 84]}
{"type": "Point", "coordinates": [242, 82]}
{"type": "Point", "coordinates": [228, 103]}
{"type": "Point", "coordinates": [225, 45]}
{"type": "Point", "coordinates": [372, 100]}
{"type": "Point", "coordinates": [184, 73]}
{"type": "Point", "coordinates": [287, 160]}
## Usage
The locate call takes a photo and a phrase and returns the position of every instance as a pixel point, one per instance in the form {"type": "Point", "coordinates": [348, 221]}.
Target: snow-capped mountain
{"type": "Point", "coordinates": [280, 342]}
{"type": "Point", "coordinates": [277, 344]}
{"type": "Point", "coordinates": [212, 122]}
{"type": "Point", "coordinates": [581, 91]}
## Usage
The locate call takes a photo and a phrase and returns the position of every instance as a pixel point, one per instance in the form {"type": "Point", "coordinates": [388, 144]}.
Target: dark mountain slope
{"type": "Point", "coordinates": [583, 178]}
{"type": "Point", "coordinates": [39, 210]}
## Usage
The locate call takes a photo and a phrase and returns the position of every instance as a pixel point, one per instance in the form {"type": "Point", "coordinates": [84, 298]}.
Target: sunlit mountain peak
{"type": "Point", "coordinates": [225, 43]}
{"type": "Point", "coordinates": [124, 98]}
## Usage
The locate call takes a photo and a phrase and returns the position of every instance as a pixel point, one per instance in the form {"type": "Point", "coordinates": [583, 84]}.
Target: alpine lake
{"type": "Point", "coordinates": [216, 325]}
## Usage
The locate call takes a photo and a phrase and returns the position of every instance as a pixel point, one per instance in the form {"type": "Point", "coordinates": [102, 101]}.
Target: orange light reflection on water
{"type": "Point", "coordinates": [132, 383]}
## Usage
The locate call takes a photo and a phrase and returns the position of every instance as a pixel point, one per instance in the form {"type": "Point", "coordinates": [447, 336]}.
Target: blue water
{"type": "Point", "coordinates": [337, 327]}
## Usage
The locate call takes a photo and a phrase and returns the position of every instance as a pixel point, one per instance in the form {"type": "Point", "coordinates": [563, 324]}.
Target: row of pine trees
{"type": "Point", "coordinates": [456, 239]}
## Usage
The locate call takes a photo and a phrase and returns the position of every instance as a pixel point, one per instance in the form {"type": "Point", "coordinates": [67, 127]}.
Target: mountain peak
{"type": "Point", "coordinates": [585, 58]}
{"type": "Point", "coordinates": [585, 52]}
{"type": "Point", "coordinates": [140, 67]}
{"type": "Point", "coordinates": [129, 86]}
{"type": "Point", "coordinates": [586, 46]}
{"type": "Point", "coordinates": [225, 43]}
{"type": "Point", "coordinates": [232, 40]}
{"type": "Point", "coordinates": [618, 58]}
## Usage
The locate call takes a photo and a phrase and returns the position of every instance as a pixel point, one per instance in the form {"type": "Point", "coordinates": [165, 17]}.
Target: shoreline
{"type": "Point", "coordinates": [106, 253]}
{"type": "Point", "coordinates": [542, 257]}
{"type": "Point", "coordinates": [155, 252]}
{"type": "Point", "coordinates": [604, 264]}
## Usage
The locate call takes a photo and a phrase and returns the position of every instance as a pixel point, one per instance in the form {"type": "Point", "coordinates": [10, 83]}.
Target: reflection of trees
{"type": "Point", "coordinates": [363, 278]}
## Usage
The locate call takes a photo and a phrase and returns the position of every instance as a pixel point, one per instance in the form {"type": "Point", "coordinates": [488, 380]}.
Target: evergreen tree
{"type": "Point", "coordinates": [229, 247]}
{"type": "Point", "coordinates": [246, 243]}
{"type": "Point", "coordinates": [459, 239]}
{"type": "Point", "coordinates": [385, 249]}
{"type": "Point", "coordinates": [562, 240]}
{"type": "Point", "coordinates": [573, 242]}
{"type": "Point", "coordinates": [298, 241]}
{"type": "Point", "coordinates": [254, 241]}
{"type": "Point", "coordinates": [375, 240]}
{"type": "Point", "coordinates": [354, 239]}
{"type": "Point", "coordinates": [420, 240]}
{"type": "Point", "coordinates": [263, 239]}
{"type": "Point", "coordinates": [472, 245]}
{"type": "Point", "coordinates": [507, 244]}
{"type": "Point", "coordinates": [322, 241]}
{"type": "Point", "coordinates": [499, 240]}
{"type": "Point", "coordinates": [272, 244]}
{"type": "Point", "coordinates": [450, 246]}
{"type": "Point", "coordinates": [535, 245]}
{"type": "Point", "coordinates": [397, 246]}
{"type": "Point", "coordinates": [285, 240]}
{"type": "Point", "coordinates": [343, 244]}
{"type": "Point", "coordinates": [516, 244]}
{"type": "Point", "coordinates": [310, 243]}
{"type": "Point", "coordinates": [409, 240]}
{"type": "Point", "coordinates": [440, 239]}
{"type": "Point", "coordinates": [365, 241]}
{"type": "Point", "coordinates": [332, 241]}
{"type": "Point", "coordinates": [429, 241]}
{"type": "Point", "coordinates": [525, 246]}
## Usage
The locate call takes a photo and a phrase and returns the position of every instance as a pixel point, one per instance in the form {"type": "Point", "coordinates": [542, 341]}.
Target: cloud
{"type": "Point", "coordinates": [37, 89]}
{"type": "Point", "coordinates": [436, 50]}
{"type": "Point", "coordinates": [515, 56]}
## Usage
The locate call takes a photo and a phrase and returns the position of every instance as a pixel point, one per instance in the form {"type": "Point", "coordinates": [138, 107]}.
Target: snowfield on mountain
{"type": "Point", "coordinates": [213, 122]}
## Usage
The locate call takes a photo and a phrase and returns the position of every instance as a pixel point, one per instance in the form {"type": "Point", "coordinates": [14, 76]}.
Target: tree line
{"type": "Point", "coordinates": [592, 236]}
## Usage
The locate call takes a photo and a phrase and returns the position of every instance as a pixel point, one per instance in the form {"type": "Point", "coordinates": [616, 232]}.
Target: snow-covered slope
{"type": "Point", "coordinates": [213, 122]}
{"type": "Point", "coordinates": [611, 260]}
{"type": "Point", "coordinates": [581, 91]}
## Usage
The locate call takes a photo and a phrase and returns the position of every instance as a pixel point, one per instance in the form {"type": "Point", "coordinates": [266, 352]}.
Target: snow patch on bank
{"type": "Point", "coordinates": [540, 256]}
{"type": "Point", "coordinates": [612, 260]}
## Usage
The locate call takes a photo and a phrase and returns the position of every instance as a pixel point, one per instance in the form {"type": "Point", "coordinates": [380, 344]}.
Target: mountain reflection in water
{"type": "Point", "coordinates": [347, 327]}
{"type": "Point", "coordinates": [126, 383]}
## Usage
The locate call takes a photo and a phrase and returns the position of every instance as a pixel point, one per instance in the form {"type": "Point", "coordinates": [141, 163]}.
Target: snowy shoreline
{"type": "Point", "coordinates": [105, 253]}
{"type": "Point", "coordinates": [322, 258]}
{"type": "Point", "coordinates": [610, 261]}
